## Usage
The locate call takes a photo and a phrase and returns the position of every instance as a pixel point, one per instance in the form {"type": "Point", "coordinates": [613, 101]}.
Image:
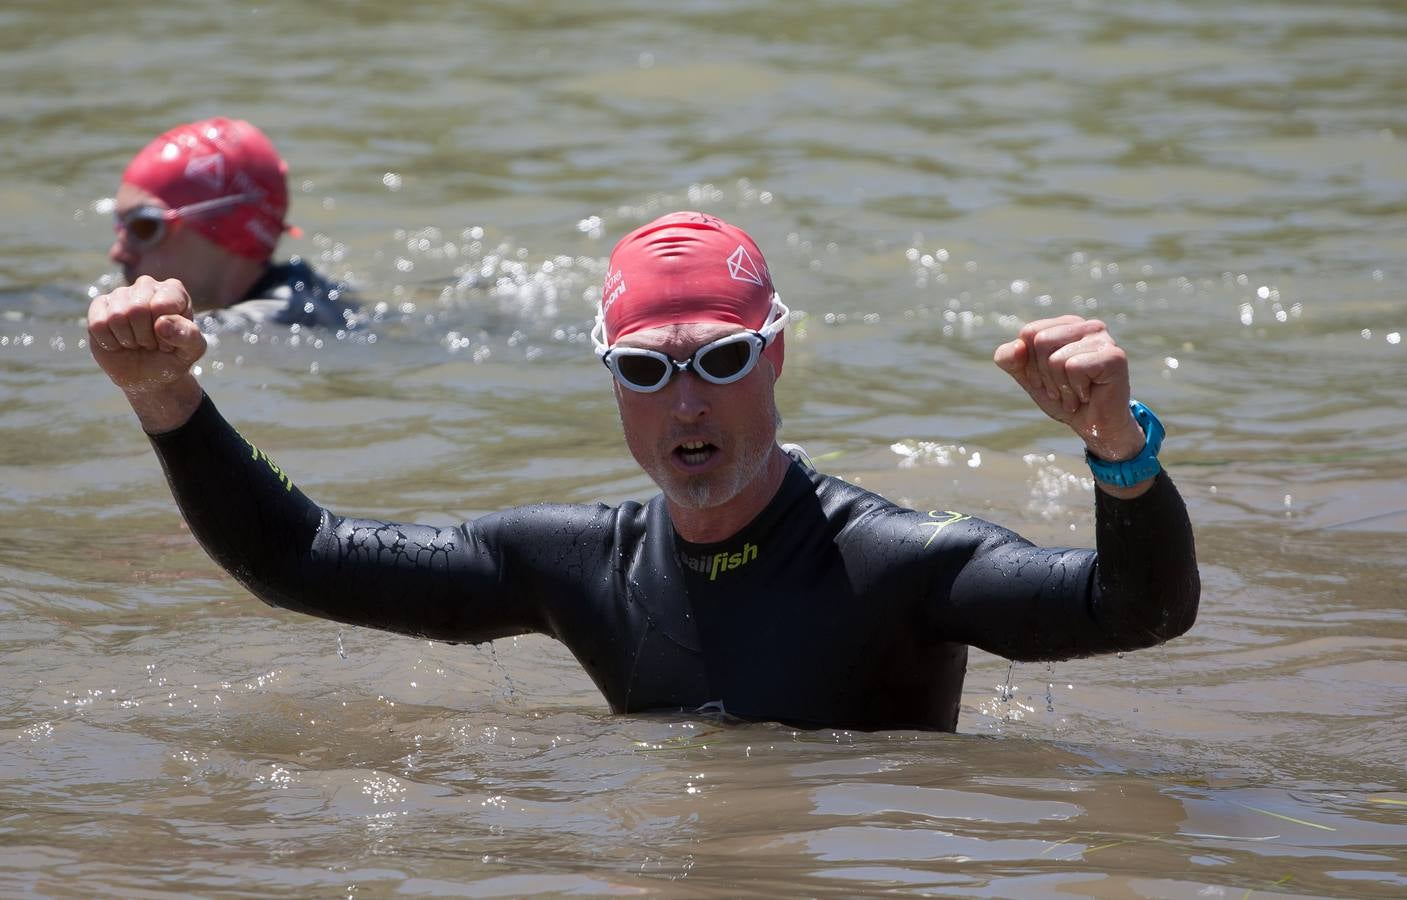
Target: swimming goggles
{"type": "Point", "coordinates": [147, 225]}
{"type": "Point", "coordinates": [723, 361]}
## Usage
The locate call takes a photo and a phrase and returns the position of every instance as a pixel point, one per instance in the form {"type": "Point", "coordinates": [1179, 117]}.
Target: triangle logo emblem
{"type": "Point", "coordinates": [208, 170]}
{"type": "Point", "coordinates": [742, 268]}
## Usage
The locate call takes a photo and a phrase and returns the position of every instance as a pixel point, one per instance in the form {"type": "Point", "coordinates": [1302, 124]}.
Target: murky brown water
{"type": "Point", "coordinates": [1225, 183]}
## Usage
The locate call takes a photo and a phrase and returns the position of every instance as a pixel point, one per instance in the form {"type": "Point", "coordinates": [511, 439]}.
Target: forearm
{"type": "Point", "coordinates": [1146, 587]}
{"type": "Point", "coordinates": [241, 508]}
{"type": "Point", "coordinates": [1139, 588]}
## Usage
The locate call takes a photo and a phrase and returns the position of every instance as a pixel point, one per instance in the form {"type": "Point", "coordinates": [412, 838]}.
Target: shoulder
{"type": "Point", "coordinates": [848, 504]}
{"type": "Point", "coordinates": [294, 293]}
{"type": "Point", "coordinates": [838, 497]}
{"type": "Point", "coordinates": [559, 526]}
{"type": "Point", "coordinates": [869, 518]}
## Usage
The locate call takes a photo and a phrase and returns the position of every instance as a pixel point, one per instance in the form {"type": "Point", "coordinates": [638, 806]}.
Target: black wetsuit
{"type": "Point", "coordinates": [289, 293]}
{"type": "Point", "coordinates": [834, 607]}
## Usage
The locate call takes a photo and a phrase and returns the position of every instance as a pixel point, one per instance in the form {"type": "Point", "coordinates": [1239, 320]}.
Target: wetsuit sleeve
{"type": "Point", "coordinates": [1139, 588]}
{"type": "Point", "coordinates": [471, 583]}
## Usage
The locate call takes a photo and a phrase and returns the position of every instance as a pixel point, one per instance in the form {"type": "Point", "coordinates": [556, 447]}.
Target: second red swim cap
{"type": "Point", "coordinates": [685, 268]}
{"type": "Point", "coordinates": [216, 158]}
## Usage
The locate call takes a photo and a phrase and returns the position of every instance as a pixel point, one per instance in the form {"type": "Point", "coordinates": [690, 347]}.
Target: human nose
{"type": "Point", "coordinates": [121, 250]}
{"type": "Point", "coordinates": [691, 397]}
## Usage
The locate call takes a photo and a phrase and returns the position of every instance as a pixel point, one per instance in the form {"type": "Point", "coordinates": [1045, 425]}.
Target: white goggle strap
{"type": "Point", "coordinates": [777, 318]}
{"type": "Point", "coordinates": [598, 335]}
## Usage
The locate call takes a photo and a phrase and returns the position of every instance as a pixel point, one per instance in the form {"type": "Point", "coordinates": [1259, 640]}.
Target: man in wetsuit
{"type": "Point", "coordinates": [204, 203]}
{"type": "Point", "coordinates": [753, 584]}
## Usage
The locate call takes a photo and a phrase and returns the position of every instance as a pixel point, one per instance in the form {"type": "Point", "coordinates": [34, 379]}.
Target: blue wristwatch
{"type": "Point", "coordinates": [1143, 466]}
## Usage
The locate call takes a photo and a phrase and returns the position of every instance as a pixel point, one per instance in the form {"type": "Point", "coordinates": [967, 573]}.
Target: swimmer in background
{"type": "Point", "coordinates": [752, 584]}
{"type": "Point", "coordinates": [205, 203]}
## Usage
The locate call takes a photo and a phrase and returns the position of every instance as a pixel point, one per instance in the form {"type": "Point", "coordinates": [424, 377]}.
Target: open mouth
{"type": "Point", "coordinates": [692, 454]}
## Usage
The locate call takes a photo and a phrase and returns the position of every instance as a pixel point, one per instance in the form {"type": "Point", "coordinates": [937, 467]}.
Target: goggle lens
{"type": "Point", "coordinates": [724, 361]}
{"type": "Point", "coordinates": [641, 371]}
{"type": "Point", "coordinates": [144, 226]}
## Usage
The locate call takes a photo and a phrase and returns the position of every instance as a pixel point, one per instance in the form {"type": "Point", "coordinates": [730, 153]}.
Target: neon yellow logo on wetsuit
{"type": "Point", "coordinates": [945, 518]}
{"type": "Point", "coordinates": [720, 562]}
{"type": "Point", "coordinates": [256, 453]}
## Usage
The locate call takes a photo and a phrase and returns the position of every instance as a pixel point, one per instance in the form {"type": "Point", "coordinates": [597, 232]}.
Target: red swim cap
{"type": "Point", "coordinates": [217, 158]}
{"type": "Point", "coordinates": [687, 267]}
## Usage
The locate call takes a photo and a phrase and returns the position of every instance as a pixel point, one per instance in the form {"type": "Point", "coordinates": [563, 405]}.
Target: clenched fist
{"type": "Point", "coordinates": [143, 336]}
{"type": "Point", "coordinates": [1075, 372]}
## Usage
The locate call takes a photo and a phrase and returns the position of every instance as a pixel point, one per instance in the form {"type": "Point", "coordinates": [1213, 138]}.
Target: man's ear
{"type": "Point", "coordinates": [774, 354]}
{"type": "Point", "coordinates": [771, 366]}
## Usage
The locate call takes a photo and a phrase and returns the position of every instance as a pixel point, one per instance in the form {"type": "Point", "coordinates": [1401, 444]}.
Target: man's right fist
{"type": "Point", "coordinates": [143, 335]}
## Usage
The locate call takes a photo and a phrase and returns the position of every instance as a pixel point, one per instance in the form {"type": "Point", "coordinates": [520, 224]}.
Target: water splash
{"type": "Point", "coordinates": [510, 690]}
{"type": "Point", "coordinates": [1005, 690]}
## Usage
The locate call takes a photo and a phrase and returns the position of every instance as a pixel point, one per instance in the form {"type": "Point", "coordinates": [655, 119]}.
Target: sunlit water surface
{"type": "Point", "coordinates": [1225, 184]}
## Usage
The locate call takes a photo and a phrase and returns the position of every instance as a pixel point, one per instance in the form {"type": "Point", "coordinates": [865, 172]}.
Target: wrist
{"type": "Point", "coordinates": [165, 407]}
{"type": "Point", "coordinates": [1118, 444]}
{"type": "Point", "coordinates": [1119, 447]}
{"type": "Point", "coordinates": [1134, 459]}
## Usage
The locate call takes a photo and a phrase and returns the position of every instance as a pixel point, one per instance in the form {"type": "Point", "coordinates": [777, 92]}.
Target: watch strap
{"type": "Point", "coordinates": [1143, 466]}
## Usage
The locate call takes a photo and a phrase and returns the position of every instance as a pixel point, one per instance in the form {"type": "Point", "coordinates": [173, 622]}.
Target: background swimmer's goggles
{"type": "Point", "coordinates": [146, 225]}
{"type": "Point", "coordinates": [723, 361]}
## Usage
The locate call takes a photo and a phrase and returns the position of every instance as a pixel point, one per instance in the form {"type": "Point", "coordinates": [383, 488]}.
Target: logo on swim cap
{"type": "Point", "coordinates": [741, 267]}
{"type": "Point", "coordinates": [615, 286]}
{"type": "Point", "coordinates": [208, 170]}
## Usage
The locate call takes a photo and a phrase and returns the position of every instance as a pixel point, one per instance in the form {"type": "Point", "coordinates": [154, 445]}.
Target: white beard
{"type": "Point", "coordinates": [705, 491]}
